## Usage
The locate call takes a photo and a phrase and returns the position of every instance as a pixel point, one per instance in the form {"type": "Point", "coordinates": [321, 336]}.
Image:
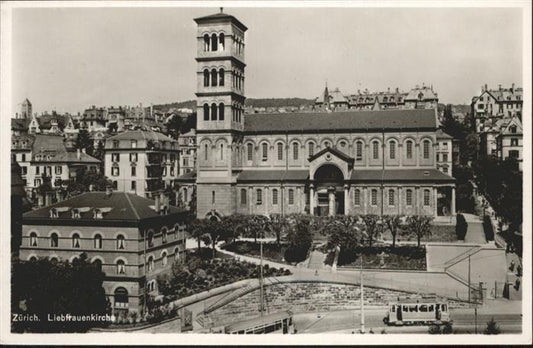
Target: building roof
{"type": "Point", "coordinates": [442, 135]}
{"type": "Point", "coordinates": [343, 120]}
{"type": "Point", "coordinates": [118, 206]}
{"type": "Point", "coordinates": [334, 151]}
{"type": "Point", "coordinates": [273, 175]}
{"type": "Point", "coordinates": [221, 16]}
{"type": "Point", "coordinates": [395, 175]}
{"type": "Point", "coordinates": [141, 135]}
{"type": "Point", "coordinates": [54, 146]}
{"type": "Point", "coordinates": [190, 176]}
{"type": "Point", "coordinates": [20, 124]}
{"type": "Point", "coordinates": [421, 93]}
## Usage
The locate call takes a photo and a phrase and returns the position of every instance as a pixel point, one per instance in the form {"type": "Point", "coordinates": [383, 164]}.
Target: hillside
{"type": "Point", "coordinates": [250, 102]}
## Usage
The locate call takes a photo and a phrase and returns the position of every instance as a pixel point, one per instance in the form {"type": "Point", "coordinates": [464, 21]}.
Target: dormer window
{"type": "Point", "coordinates": [76, 214]}
{"type": "Point", "coordinates": [97, 214]}
{"type": "Point", "coordinates": [53, 213]}
{"type": "Point", "coordinates": [134, 144]}
{"type": "Point", "coordinates": [116, 144]}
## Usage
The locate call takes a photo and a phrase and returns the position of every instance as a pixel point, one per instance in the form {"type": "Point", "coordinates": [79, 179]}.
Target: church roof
{"type": "Point", "coordinates": [221, 16]}
{"type": "Point", "coordinates": [341, 121]}
{"type": "Point", "coordinates": [334, 151]}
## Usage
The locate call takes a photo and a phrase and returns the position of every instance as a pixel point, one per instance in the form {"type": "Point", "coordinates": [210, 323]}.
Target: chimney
{"type": "Point", "coordinates": [500, 87]}
{"type": "Point", "coordinates": [388, 89]}
{"type": "Point", "coordinates": [512, 87]}
{"type": "Point", "coordinates": [397, 90]}
{"type": "Point", "coordinates": [157, 203]}
{"type": "Point", "coordinates": [78, 153]}
{"type": "Point", "coordinates": [486, 87]}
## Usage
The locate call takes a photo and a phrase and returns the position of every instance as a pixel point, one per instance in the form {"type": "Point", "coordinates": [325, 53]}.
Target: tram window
{"type": "Point", "coordinates": [404, 309]}
{"type": "Point", "coordinates": [430, 308]}
{"type": "Point", "coordinates": [423, 308]}
{"type": "Point", "coordinates": [393, 308]}
{"type": "Point", "coordinates": [413, 308]}
{"type": "Point", "coordinates": [444, 308]}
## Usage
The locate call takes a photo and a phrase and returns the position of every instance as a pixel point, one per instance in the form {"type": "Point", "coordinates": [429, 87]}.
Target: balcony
{"type": "Point", "coordinates": [153, 159]}
{"type": "Point", "coordinates": [154, 172]}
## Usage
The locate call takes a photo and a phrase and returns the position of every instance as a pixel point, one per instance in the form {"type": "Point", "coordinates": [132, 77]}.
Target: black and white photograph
{"type": "Point", "coordinates": [218, 170]}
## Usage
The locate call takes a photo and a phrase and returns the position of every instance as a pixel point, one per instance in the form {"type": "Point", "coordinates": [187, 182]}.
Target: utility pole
{"type": "Point", "coordinates": [261, 281]}
{"type": "Point", "coordinates": [468, 278]}
{"type": "Point", "coordinates": [362, 299]}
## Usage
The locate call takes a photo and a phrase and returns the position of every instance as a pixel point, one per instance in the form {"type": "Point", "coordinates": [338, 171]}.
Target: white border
{"type": "Point", "coordinates": [136, 338]}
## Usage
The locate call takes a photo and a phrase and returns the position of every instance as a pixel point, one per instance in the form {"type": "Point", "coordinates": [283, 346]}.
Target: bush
{"type": "Point", "coordinates": [434, 330]}
{"type": "Point", "coordinates": [487, 227]}
{"type": "Point", "coordinates": [461, 227]}
{"type": "Point", "coordinates": [492, 328]}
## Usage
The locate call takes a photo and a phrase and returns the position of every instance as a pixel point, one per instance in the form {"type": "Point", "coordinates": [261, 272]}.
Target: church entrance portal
{"type": "Point", "coordinates": [329, 198]}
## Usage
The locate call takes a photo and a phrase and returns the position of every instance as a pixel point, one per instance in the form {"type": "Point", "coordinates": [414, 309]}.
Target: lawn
{"type": "Point", "coordinates": [405, 257]}
{"type": "Point", "coordinates": [271, 251]}
{"type": "Point", "coordinates": [439, 233]}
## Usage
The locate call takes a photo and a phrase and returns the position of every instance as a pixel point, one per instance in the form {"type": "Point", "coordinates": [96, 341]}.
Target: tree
{"type": "Point", "coordinates": [197, 230]}
{"type": "Point", "coordinates": [299, 238]}
{"type": "Point", "coordinates": [257, 225]}
{"type": "Point", "coordinates": [84, 141]}
{"type": "Point", "coordinates": [192, 202]}
{"type": "Point", "coordinates": [492, 328]}
{"type": "Point", "coordinates": [461, 227]}
{"type": "Point", "coordinates": [99, 153]}
{"type": "Point", "coordinates": [46, 287]}
{"type": "Point", "coordinates": [46, 185]}
{"type": "Point", "coordinates": [393, 223]}
{"type": "Point", "coordinates": [344, 232]}
{"type": "Point", "coordinates": [371, 227]}
{"type": "Point", "coordinates": [174, 126]}
{"type": "Point", "coordinates": [278, 225]}
{"type": "Point", "coordinates": [86, 180]}
{"type": "Point", "coordinates": [419, 225]}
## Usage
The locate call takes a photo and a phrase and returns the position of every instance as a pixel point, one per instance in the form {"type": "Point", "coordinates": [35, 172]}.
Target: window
{"type": "Point", "coordinates": [214, 42]}
{"type": "Point", "coordinates": [150, 239]}
{"type": "Point", "coordinates": [54, 240]}
{"type": "Point", "coordinates": [206, 112]}
{"type": "Point", "coordinates": [513, 129]}
{"type": "Point", "coordinates": [359, 151]}
{"type": "Point", "coordinates": [151, 263]}
{"type": "Point", "coordinates": [221, 77]}
{"type": "Point", "coordinates": [445, 169]}
{"type": "Point", "coordinates": [59, 170]}
{"type": "Point", "coordinates": [121, 267]}
{"type": "Point", "coordinates": [38, 170]}
{"type": "Point", "coordinates": [357, 197]}
{"type": "Point", "coordinates": [275, 197]}
{"type": "Point", "coordinates": [374, 197]}
{"type": "Point", "coordinates": [391, 197]}
{"type": "Point", "coordinates": [426, 197]}
{"type": "Point", "coordinates": [249, 151]}
{"type": "Point", "coordinates": [133, 185]}
{"type": "Point", "coordinates": [514, 142]}
{"type": "Point", "coordinates": [291, 196]}
{"type": "Point", "coordinates": [280, 152]}
{"type": "Point", "coordinates": [23, 157]}
{"type": "Point", "coordinates": [327, 144]}
{"type": "Point", "coordinates": [176, 254]}
{"type": "Point", "coordinates": [392, 149]}
{"type": "Point", "coordinates": [206, 78]}
{"type": "Point", "coordinates": [115, 157]}
{"type": "Point", "coordinates": [206, 151]}
{"type": "Point", "coordinates": [514, 154]}
{"type": "Point", "coordinates": [445, 146]}
{"type": "Point", "coordinates": [375, 149]}
{"type": "Point", "coordinates": [164, 234]}
{"type": "Point", "coordinates": [134, 144]}
{"type": "Point", "coordinates": [221, 112]}
{"type": "Point", "coordinates": [116, 144]}
{"type": "Point", "coordinates": [164, 260]}
{"type": "Point", "coordinates": [214, 77]}
{"type": "Point", "coordinates": [295, 151]}
{"type": "Point", "coordinates": [409, 149]}
{"type": "Point", "coordinates": [133, 171]}
{"type": "Point", "coordinates": [115, 171]}
{"type": "Point", "coordinates": [212, 197]}
{"type": "Point", "coordinates": [445, 157]}
{"type": "Point", "coordinates": [115, 185]}
{"type": "Point", "coordinates": [37, 182]}
{"type": "Point", "coordinates": [264, 148]}
{"type": "Point", "coordinates": [75, 240]}
{"type": "Point", "coordinates": [133, 157]}
{"type": "Point", "coordinates": [97, 241]}
{"type": "Point", "coordinates": [259, 194]}
{"type": "Point", "coordinates": [311, 149]}
{"type": "Point", "coordinates": [409, 197]}
{"type": "Point", "coordinates": [243, 196]}
{"type": "Point", "coordinates": [207, 43]}
{"type": "Point", "coordinates": [214, 112]}
{"type": "Point", "coordinates": [221, 41]}
{"type": "Point", "coordinates": [221, 152]}
{"type": "Point", "coordinates": [426, 149]}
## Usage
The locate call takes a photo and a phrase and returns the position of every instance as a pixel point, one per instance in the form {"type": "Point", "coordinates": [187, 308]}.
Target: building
{"type": "Point", "coordinates": [344, 162]}
{"type": "Point", "coordinates": [25, 110]}
{"type": "Point", "coordinates": [41, 156]}
{"type": "Point", "coordinates": [187, 150]}
{"type": "Point", "coordinates": [417, 98]}
{"type": "Point", "coordinates": [141, 162]}
{"type": "Point", "coordinates": [443, 151]}
{"type": "Point", "coordinates": [133, 239]}
{"type": "Point", "coordinates": [494, 104]}
{"type": "Point", "coordinates": [509, 142]}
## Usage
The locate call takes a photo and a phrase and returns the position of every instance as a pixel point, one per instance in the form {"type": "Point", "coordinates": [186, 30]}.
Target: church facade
{"type": "Point", "coordinates": [320, 163]}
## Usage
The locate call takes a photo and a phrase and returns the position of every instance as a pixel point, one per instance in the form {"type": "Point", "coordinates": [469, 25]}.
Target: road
{"type": "Point", "coordinates": [349, 322]}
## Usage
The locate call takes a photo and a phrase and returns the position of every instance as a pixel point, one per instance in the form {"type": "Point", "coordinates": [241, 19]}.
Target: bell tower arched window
{"type": "Point", "coordinates": [206, 78]}
{"type": "Point", "coordinates": [214, 42]}
{"type": "Point", "coordinates": [221, 77]}
{"type": "Point", "coordinates": [214, 77]}
{"type": "Point", "coordinates": [207, 43]}
{"type": "Point", "coordinates": [221, 112]}
{"type": "Point", "coordinates": [213, 112]}
{"type": "Point", "coordinates": [221, 41]}
{"type": "Point", "coordinates": [206, 112]}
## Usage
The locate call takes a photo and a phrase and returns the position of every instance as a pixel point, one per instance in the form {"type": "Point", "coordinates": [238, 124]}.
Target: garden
{"type": "Point", "coordinates": [405, 257]}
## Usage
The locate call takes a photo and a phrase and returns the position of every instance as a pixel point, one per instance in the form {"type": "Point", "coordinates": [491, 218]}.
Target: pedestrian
{"type": "Point", "coordinates": [517, 284]}
{"type": "Point", "coordinates": [511, 267]}
{"type": "Point", "coordinates": [518, 271]}
{"type": "Point", "coordinates": [316, 272]}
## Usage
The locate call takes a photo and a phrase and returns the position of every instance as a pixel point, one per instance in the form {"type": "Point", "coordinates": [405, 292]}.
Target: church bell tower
{"type": "Point", "coordinates": [220, 111]}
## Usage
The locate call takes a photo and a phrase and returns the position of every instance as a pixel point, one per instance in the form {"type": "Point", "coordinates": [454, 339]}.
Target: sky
{"type": "Point", "coordinates": [68, 59]}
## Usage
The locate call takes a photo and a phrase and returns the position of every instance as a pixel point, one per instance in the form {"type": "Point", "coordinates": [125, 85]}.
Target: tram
{"type": "Point", "coordinates": [417, 312]}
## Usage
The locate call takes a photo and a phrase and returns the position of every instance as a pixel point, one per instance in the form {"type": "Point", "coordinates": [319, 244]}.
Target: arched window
{"type": "Point", "coordinates": [32, 258]}
{"type": "Point", "coordinates": [275, 197]}
{"type": "Point", "coordinates": [409, 197]}
{"type": "Point", "coordinates": [213, 197]}
{"type": "Point", "coordinates": [409, 149]}
{"type": "Point", "coordinates": [392, 149]}
{"type": "Point", "coordinates": [327, 144]}
{"type": "Point", "coordinates": [280, 151]}
{"type": "Point", "coordinates": [250, 151]}
{"type": "Point", "coordinates": [295, 151]}
{"type": "Point", "coordinates": [342, 144]}
{"type": "Point", "coordinates": [221, 152]}
{"type": "Point", "coordinates": [97, 263]}
{"type": "Point", "coordinates": [206, 112]}
{"type": "Point", "coordinates": [221, 112]}
{"type": "Point", "coordinates": [374, 197]}
{"type": "Point", "coordinates": [121, 267]}
{"type": "Point", "coordinates": [151, 263]}
{"type": "Point", "coordinates": [121, 298]}
{"type": "Point", "coordinates": [359, 151]}
{"type": "Point", "coordinates": [264, 148]}
{"type": "Point", "coordinates": [75, 240]}
{"type": "Point", "coordinates": [221, 42]}
{"type": "Point", "coordinates": [357, 197]}
{"type": "Point", "coordinates": [176, 254]}
{"type": "Point", "coordinates": [164, 258]}
{"type": "Point", "coordinates": [206, 152]}
{"type": "Point", "coordinates": [259, 197]}
{"type": "Point", "coordinates": [121, 242]}
{"type": "Point", "coordinates": [243, 196]}
{"type": "Point", "coordinates": [426, 197]}
{"type": "Point", "coordinates": [207, 43]}
{"type": "Point", "coordinates": [214, 112]}
{"type": "Point", "coordinates": [214, 43]}
{"type": "Point", "coordinates": [164, 235]}
{"type": "Point", "coordinates": [33, 239]}
{"type": "Point", "coordinates": [291, 196]}
{"type": "Point", "coordinates": [311, 149]}
{"type": "Point", "coordinates": [391, 197]}
{"type": "Point", "coordinates": [150, 239]}
{"type": "Point", "coordinates": [375, 149]}
{"type": "Point", "coordinates": [54, 240]}
{"type": "Point", "coordinates": [221, 76]}
{"type": "Point", "coordinates": [426, 149]}
{"type": "Point", "coordinates": [206, 78]}
{"type": "Point", "coordinates": [214, 77]}
{"type": "Point", "coordinates": [97, 241]}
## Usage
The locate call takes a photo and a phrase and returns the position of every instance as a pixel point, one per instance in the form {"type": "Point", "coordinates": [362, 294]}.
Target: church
{"type": "Point", "coordinates": [319, 163]}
